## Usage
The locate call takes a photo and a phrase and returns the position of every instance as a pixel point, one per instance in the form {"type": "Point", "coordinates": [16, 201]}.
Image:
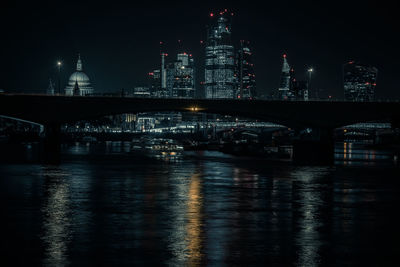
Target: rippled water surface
{"type": "Point", "coordinates": [106, 206]}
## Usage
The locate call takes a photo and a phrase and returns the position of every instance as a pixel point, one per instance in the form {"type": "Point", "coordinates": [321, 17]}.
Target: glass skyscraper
{"type": "Point", "coordinates": [220, 58]}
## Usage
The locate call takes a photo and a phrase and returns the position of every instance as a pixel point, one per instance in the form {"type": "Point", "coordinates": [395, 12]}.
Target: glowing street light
{"type": "Point", "coordinates": [59, 63]}
{"type": "Point", "coordinates": [310, 71]}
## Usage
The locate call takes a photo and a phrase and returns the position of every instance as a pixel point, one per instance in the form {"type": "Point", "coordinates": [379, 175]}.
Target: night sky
{"type": "Point", "coordinates": [119, 41]}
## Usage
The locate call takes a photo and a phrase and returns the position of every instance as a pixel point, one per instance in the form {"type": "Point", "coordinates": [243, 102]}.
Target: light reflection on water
{"type": "Point", "coordinates": [56, 217]}
{"type": "Point", "coordinates": [357, 154]}
{"type": "Point", "coordinates": [186, 237]}
{"type": "Point", "coordinates": [309, 201]}
{"type": "Point", "coordinates": [205, 209]}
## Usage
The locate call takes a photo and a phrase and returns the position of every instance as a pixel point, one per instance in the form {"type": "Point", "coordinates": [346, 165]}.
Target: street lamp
{"type": "Point", "coordinates": [59, 74]}
{"type": "Point", "coordinates": [310, 71]}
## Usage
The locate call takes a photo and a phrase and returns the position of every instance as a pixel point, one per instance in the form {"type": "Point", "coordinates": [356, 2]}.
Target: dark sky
{"type": "Point", "coordinates": [118, 41]}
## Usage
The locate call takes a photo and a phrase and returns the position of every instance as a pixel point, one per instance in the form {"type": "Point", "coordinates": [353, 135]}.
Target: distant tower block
{"type": "Point", "coordinates": [284, 86]}
{"type": "Point", "coordinates": [359, 82]}
{"type": "Point", "coordinates": [245, 75]}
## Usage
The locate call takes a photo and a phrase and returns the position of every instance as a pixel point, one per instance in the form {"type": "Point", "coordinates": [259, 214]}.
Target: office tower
{"type": "Point", "coordinates": [245, 74]}
{"type": "Point", "coordinates": [359, 82]}
{"type": "Point", "coordinates": [181, 77]}
{"type": "Point", "coordinates": [220, 62]}
{"type": "Point", "coordinates": [284, 90]}
{"type": "Point", "coordinates": [155, 84]}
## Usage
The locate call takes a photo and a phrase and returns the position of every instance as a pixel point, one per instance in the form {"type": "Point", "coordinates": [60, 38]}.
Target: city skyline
{"type": "Point", "coordinates": [112, 69]}
{"type": "Point", "coordinates": [199, 133]}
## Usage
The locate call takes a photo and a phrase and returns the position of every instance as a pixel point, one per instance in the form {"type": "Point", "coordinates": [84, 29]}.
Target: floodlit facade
{"type": "Point", "coordinates": [81, 79]}
{"type": "Point", "coordinates": [220, 58]}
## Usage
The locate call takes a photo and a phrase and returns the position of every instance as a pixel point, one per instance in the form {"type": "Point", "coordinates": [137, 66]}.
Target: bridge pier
{"type": "Point", "coordinates": [319, 150]}
{"type": "Point", "coordinates": [52, 143]}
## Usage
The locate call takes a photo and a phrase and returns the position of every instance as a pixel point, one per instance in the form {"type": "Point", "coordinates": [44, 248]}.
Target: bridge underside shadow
{"type": "Point", "coordinates": [323, 117]}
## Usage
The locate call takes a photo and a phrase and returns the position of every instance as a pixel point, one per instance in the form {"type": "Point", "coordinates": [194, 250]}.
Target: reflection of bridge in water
{"type": "Point", "coordinates": [322, 116]}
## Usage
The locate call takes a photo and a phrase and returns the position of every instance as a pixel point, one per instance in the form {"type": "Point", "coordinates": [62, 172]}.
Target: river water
{"type": "Point", "coordinates": [104, 205]}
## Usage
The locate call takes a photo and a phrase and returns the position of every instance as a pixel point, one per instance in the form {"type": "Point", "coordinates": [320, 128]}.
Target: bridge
{"type": "Point", "coordinates": [47, 109]}
{"type": "Point", "coordinates": [324, 116]}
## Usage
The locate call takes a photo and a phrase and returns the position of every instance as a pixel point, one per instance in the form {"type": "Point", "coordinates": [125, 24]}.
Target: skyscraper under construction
{"type": "Point", "coordinates": [220, 58]}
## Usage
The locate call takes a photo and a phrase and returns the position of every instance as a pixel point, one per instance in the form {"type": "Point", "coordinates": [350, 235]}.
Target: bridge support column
{"type": "Point", "coordinates": [319, 150]}
{"type": "Point", "coordinates": [52, 143]}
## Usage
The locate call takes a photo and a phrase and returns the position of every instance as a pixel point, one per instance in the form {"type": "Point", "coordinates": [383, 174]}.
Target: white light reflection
{"type": "Point", "coordinates": [310, 201]}
{"type": "Point", "coordinates": [56, 217]}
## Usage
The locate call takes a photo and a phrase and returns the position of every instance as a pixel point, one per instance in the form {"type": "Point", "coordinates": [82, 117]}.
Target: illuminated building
{"type": "Point", "coordinates": [155, 84]}
{"type": "Point", "coordinates": [163, 73]}
{"type": "Point", "coordinates": [359, 82]}
{"type": "Point", "coordinates": [219, 61]}
{"type": "Point", "coordinates": [81, 79]}
{"type": "Point", "coordinates": [246, 78]}
{"type": "Point", "coordinates": [284, 86]}
{"type": "Point", "coordinates": [146, 121]}
{"type": "Point", "coordinates": [141, 91]}
{"type": "Point", "coordinates": [181, 77]}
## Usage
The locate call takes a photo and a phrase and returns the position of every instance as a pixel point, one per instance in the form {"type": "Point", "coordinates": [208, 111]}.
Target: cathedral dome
{"type": "Point", "coordinates": [81, 79]}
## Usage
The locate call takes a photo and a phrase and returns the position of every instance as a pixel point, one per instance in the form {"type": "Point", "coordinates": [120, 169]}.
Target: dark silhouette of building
{"type": "Point", "coordinates": [299, 90]}
{"type": "Point", "coordinates": [76, 89]}
{"type": "Point", "coordinates": [50, 89]}
{"type": "Point", "coordinates": [359, 82]}
{"type": "Point", "coordinates": [245, 74]}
